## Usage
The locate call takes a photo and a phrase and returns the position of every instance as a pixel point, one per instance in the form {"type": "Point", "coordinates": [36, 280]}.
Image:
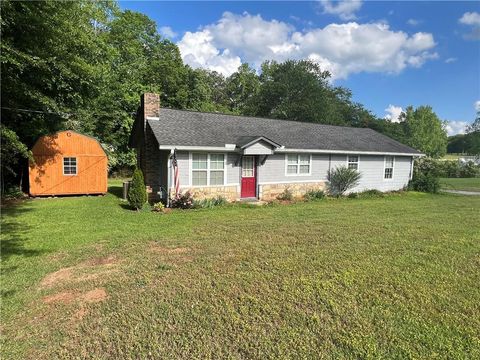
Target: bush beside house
{"type": "Point", "coordinates": [137, 194]}
{"type": "Point", "coordinates": [341, 179]}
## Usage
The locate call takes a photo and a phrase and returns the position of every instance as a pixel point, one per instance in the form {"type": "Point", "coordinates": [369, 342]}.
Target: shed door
{"type": "Point", "coordinates": [249, 177]}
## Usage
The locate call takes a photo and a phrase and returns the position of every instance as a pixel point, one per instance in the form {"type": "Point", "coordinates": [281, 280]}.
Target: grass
{"type": "Point", "coordinates": [392, 277]}
{"type": "Point", "coordinates": [465, 184]}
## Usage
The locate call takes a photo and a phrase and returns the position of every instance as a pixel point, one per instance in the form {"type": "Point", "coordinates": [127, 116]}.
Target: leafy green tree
{"type": "Point", "coordinates": [475, 126]}
{"type": "Point", "coordinates": [425, 131]}
{"type": "Point", "coordinates": [294, 90]}
{"type": "Point", "coordinates": [12, 150]}
{"type": "Point", "coordinates": [241, 88]}
{"type": "Point", "coordinates": [137, 194]}
{"type": "Point", "coordinates": [50, 66]}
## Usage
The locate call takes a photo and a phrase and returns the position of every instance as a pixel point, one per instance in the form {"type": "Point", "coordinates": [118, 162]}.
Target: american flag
{"type": "Point", "coordinates": [176, 178]}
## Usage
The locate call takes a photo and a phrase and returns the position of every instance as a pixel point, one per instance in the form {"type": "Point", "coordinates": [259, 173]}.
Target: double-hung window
{"type": "Point", "coordinates": [69, 166]}
{"type": "Point", "coordinates": [352, 162]}
{"type": "Point", "coordinates": [208, 169]}
{"type": "Point", "coordinates": [389, 163]}
{"type": "Point", "coordinates": [299, 164]}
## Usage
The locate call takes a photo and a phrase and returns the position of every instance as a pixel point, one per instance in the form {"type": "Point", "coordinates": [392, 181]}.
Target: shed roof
{"type": "Point", "coordinates": [191, 128]}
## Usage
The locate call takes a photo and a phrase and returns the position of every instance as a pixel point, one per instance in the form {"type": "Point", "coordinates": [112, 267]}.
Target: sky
{"type": "Point", "coordinates": [390, 54]}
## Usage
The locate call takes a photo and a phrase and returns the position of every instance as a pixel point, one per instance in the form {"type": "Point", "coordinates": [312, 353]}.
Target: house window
{"type": "Point", "coordinates": [352, 162]}
{"type": "Point", "coordinates": [298, 164]}
{"type": "Point", "coordinates": [388, 173]}
{"type": "Point", "coordinates": [217, 169]}
{"type": "Point", "coordinates": [69, 166]}
{"type": "Point", "coordinates": [248, 169]}
{"type": "Point", "coordinates": [208, 169]}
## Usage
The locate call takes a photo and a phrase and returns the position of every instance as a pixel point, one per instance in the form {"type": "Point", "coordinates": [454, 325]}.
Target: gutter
{"type": "Point", "coordinates": [282, 150]}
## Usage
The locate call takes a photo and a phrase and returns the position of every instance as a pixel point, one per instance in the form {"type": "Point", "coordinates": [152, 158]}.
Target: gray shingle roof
{"type": "Point", "coordinates": [191, 128]}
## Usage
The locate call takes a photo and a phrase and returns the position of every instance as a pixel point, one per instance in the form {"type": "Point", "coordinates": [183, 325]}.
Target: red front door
{"type": "Point", "coordinates": [249, 177]}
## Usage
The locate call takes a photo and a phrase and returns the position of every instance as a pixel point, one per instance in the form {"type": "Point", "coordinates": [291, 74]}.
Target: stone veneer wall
{"type": "Point", "coordinates": [270, 192]}
{"type": "Point", "coordinates": [229, 192]}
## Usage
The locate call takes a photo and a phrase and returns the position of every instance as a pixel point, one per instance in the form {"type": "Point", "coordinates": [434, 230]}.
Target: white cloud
{"type": "Point", "coordinates": [451, 60]}
{"type": "Point", "coordinates": [413, 22]}
{"type": "Point", "coordinates": [393, 113]}
{"type": "Point", "coordinates": [456, 127]}
{"type": "Point", "coordinates": [470, 18]}
{"type": "Point", "coordinates": [343, 49]}
{"type": "Point", "coordinates": [167, 32]}
{"type": "Point", "coordinates": [476, 105]}
{"type": "Point", "coordinates": [198, 51]}
{"type": "Point", "coordinates": [345, 10]}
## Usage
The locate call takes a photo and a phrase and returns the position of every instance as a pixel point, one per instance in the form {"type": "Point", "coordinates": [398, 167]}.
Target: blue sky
{"type": "Point", "coordinates": [390, 54]}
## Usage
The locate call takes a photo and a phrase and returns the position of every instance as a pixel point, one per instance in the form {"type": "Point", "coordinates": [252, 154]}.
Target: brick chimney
{"type": "Point", "coordinates": [150, 105]}
{"type": "Point", "coordinates": [147, 149]}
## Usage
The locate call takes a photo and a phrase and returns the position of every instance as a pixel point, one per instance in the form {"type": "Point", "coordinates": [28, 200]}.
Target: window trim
{"type": "Point", "coordinates": [385, 167]}
{"type": "Point", "coordinates": [190, 179]}
{"type": "Point", "coordinates": [76, 165]}
{"type": "Point", "coordinates": [310, 163]}
{"type": "Point", "coordinates": [358, 161]}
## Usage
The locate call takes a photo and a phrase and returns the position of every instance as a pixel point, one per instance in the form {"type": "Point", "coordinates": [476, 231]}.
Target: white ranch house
{"type": "Point", "coordinates": [241, 157]}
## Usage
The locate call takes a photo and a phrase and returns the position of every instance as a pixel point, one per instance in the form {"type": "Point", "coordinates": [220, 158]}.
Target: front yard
{"type": "Point", "coordinates": [393, 277]}
{"type": "Point", "coordinates": [463, 184]}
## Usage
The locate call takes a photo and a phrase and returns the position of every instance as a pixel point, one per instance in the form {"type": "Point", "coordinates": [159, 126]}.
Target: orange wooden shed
{"type": "Point", "coordinates": [68, 163]}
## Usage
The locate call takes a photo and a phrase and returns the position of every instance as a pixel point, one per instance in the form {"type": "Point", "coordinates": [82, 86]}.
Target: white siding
{"type": "Point", "coordinates": [233, 169]}
{"type": "Point", "coordinates": [372, 169]}
{"type": "Point", "coordinates": [259, 148]}
{"type": "Point", "coordinates": [274, 170]}
{"type": "Point", "coordinates": [183, 161]}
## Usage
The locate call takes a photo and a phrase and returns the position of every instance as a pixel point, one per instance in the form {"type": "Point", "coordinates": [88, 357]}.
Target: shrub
{"type": "Point", "coordinates": [209, 203]}
{"type": "Point", "coordinates": [424, 183]}
{"type": "Point", "coordinates": [183, 201]}
{"type": "Point", "coordinates": [373, 193]}
{"type": "Point", "coordinates": [469, 169]}
{"type": "Point", "coordinates": [13, 193]}
{"type": "Point", "coordinates": [314, 195]}
{"type": "Point", "coordinates": [158, 207]}
{"type": "Point", "coordinates": [286, 195]}
{"type": "Point", "coordinates": [342, 179]}
{"type": "Point", "coordinates": [446, 168]}
{"type": "Point", "coordinates": [137, 194]}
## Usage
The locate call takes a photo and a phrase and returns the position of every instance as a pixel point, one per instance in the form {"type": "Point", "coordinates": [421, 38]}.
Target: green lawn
{"type": "Point", "coordinates": [393, 277]}
{"type": "Point", "coordinates": [465, 184]}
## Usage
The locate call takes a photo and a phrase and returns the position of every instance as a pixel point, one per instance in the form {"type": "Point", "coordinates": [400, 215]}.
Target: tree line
{"type": "Point", "coordinates": [82, 65]}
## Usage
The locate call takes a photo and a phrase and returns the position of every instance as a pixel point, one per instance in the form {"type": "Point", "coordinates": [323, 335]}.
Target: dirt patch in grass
{"type": "Point", "coordinates": [99, 261]}
{"type": "Point", "coordinates": [92, 296]}
{"type": "Point", "coordinates": [85, 271]}
{"type": "Point", "coordinates": [63, 297]}
{"type": "Point", "coordinates": [56, 277]}
{"type": "Point", "coordinates": [95, 295]}
{"type": "Point", "coordinates": [79, 314]}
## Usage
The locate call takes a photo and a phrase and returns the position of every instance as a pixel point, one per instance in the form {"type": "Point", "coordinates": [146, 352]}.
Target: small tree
{"type": "Point", "coordinates": [342, 179]}
{"type": "Point", "coordinates": [137, 194]}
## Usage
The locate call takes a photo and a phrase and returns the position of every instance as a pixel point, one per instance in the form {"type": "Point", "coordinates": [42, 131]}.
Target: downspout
{"type": "Point", "coordinates": [329, 165]}
{"type": "Point", "coordinates": [169, 177]}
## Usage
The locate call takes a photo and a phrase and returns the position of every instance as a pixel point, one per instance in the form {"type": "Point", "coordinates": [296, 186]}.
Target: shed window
{"type": "Point", "coordinates": [298, 164]}
{"type": "Point", "coordinates": [69, 166]}
{"type": "Point", "coordinates": [208, 169]}
{"type": "Point", "coordinates": [389, 162]}
{"type": "Point", "coordinates": [353, 162]}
